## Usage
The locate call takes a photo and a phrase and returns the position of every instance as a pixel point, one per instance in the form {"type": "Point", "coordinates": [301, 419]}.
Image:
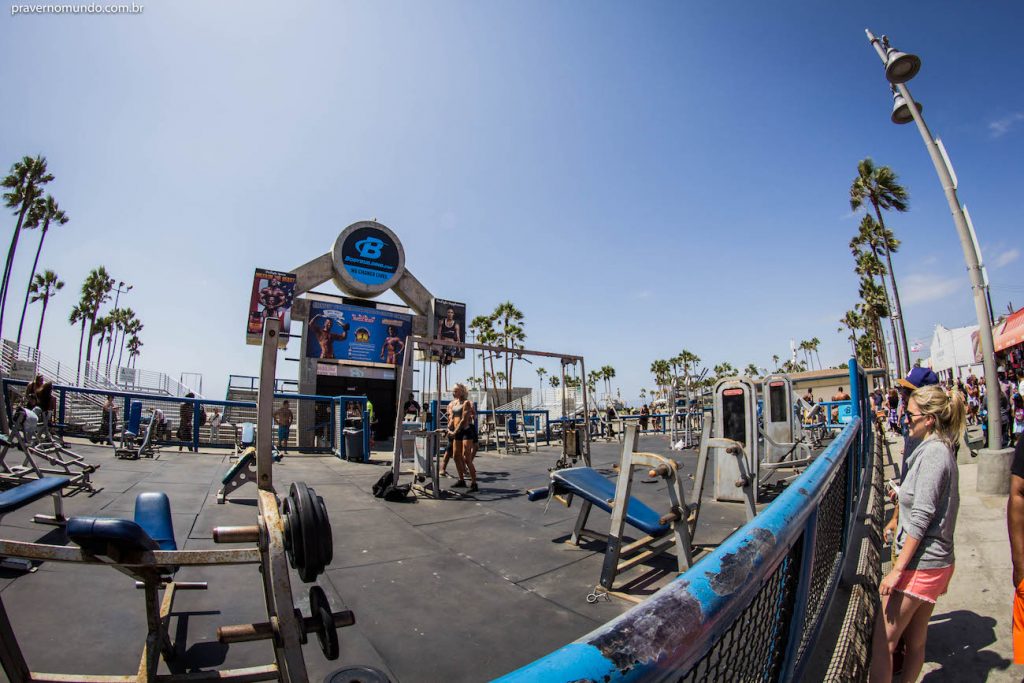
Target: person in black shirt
{"type": "Point", "coordinates": [1015, 525]}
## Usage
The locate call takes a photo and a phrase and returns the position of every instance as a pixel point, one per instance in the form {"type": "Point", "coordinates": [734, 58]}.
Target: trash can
{"type": "Point", "coordinates": [354, 445]}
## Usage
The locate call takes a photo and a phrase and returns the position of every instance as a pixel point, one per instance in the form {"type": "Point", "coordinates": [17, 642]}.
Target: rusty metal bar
{"type": "Point", "coordinates": [243, 633]}
{"type": "Point", "coordinates": [236, 534]}
{"type": "Point", "coordinates": [156, 558]}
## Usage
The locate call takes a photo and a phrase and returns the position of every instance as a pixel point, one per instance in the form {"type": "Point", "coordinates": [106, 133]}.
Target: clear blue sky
{"type": "Point", "coordinates": [638, 178]}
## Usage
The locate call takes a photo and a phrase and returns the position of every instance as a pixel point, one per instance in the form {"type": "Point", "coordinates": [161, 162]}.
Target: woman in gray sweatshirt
{"type": "Point", "coordinates": [929, 501]}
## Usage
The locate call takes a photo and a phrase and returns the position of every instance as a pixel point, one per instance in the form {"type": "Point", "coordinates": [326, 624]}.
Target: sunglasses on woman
{"type": "Point", "coordinates": [912, 416]}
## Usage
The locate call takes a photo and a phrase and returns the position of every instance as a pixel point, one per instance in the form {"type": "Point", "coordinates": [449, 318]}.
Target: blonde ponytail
{"type": "Point", "coordinates": [950, 412]}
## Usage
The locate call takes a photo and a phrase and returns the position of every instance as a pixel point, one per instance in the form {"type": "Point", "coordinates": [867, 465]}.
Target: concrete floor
{"type": "Point", "coordinates": [465, 588]}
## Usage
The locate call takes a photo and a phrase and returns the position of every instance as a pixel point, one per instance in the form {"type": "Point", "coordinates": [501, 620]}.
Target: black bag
{"type": "Point", "coordinates": [397, 494]}
{"type": "Point", "coordinates": [383, 484]}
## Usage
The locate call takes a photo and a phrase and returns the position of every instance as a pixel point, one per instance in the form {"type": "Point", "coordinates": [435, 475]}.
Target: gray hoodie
{"type": "Point", "coordinates": [929, 502]}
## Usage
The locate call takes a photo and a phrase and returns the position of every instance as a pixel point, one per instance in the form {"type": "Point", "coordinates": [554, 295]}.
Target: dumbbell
{"type": "Point", "coordinates": [321, 621]}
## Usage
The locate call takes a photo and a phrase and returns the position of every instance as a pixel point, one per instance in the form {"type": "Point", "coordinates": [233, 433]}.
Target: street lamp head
{"type": "Point", "coordinates": [900, 110]}
{"type": "Point", "coordinates": [900, 67]}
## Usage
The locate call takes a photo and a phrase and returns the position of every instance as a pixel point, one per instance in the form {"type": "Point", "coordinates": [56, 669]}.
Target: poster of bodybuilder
{"type": "Point", "coordinates": [272, 294]}
{"type": "Point", "coordinates": [344, 332]}
{"type": "Point", "coordinates": [450, 324]}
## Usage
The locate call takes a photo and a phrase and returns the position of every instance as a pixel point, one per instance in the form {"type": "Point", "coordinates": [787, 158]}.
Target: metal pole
{"type": "Point", "coordinates": [992, 390]}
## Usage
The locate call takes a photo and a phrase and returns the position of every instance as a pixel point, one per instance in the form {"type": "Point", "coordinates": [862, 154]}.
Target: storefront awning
{"type": "Point", "coordinates": [1012, 331]}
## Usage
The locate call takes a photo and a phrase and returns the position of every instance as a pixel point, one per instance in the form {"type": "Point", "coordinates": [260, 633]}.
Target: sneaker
{"type": "Point", "coordinates": [472, 488]}
{"type": "Point", "coordinates": [445, 474]}
{"type": "Point", "coordinates": [460, 484]}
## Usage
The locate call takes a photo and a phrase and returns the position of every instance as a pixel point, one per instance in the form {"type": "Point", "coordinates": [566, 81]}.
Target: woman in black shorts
{"type": "Point", "coordinates": [463, 435]}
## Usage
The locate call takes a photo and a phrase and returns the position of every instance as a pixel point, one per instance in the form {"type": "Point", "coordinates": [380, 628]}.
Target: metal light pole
{"type": "Point", "coordinates": [900, 67]}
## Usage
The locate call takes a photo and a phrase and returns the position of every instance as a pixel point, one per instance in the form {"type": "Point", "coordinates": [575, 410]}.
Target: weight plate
{"type": "Point", "coordinates": [327, 633]}
{"type": "Point", "coordinates": [307, 560]}
{"type": "Point", "coordinates": [293, 539]}
{"type": "Point", "coordinates": [323, 536]}
{"type": "Point", "coordinates": [357, 674]}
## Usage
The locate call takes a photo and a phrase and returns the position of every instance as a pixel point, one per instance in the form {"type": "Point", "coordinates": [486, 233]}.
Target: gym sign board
{"type": "Point", "coordinates": [368, 259]}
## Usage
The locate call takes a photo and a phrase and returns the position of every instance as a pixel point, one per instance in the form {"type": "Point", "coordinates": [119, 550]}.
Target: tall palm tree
{"type": "Point", "coordinates": [879, 186]}
{"type": "Point", "coordinates": [482, 327]}
{"type": "Point", "coordinates": [129, 325]}
{"type": "Point", "coordinates": [873, 239]}
{"type": "Point", "coordinates": [724, 370]}
{"type": "Point", "coordinates": [44, 212]}
{"type": "Point", "coordinates": [511, 334]}
{"type": "Point", "coordinates": [134, 344]}
{"type": "Point", "coordinates": [775, 361]}
{"type": "Point", "coordinates": [95, 292]}
{"type": "Point", "coordinates": [751, 370]}
{"type": "Point", "coordinates": [813, 345]}
{"type": "Point", "coordinates": [607, 374]}
{"type": "Point", "coordinates": [79, 314]}
{"type": "Point", "coordinates": [43, 287]}
{"type": "Point", "coordinates": [853, 321]}
{"type": "Point", "coordinates": [102, 328]}
{"type": "Point", "coordinates": [662, 372]}
{"type": "Point", "coordinates": [540, 379]}
{"type": "Point", "coordinates": [875, 309]}
{"type": "Point", "coordinates": [24, 184]}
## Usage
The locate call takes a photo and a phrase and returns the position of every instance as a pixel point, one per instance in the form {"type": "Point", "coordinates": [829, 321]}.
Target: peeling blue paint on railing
{"type": "Point", "coordinates": [668, 635]}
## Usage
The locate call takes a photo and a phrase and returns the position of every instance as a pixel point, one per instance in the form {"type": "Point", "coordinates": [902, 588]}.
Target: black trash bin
{"type": "Point", "coordinates": [353, 445]}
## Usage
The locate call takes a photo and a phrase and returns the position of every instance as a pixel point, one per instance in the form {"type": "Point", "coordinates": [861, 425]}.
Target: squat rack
{"type": "Point", "coordinates": [428, 345]}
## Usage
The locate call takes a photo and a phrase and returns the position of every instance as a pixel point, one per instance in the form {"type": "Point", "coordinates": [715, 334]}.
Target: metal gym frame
{"type": "Point", "coordinates": [428, 346]}
{"type": "Point", "coordinates": [274, 535]}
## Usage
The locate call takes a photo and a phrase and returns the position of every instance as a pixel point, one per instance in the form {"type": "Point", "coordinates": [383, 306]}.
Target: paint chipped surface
{"type": "Point", "coordinates": [649, 632]}
{"type": "Point", "coordinates": [737, 567]}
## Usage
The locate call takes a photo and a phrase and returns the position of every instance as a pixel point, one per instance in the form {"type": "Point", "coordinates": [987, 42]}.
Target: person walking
{"type": "Point", "coordinates": [929, 501]}
{"type": "Point", "coordinates": [462, 435]}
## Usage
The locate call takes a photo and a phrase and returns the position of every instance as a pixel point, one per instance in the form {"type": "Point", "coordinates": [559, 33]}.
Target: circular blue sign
{"type": "Point", "coordinates": [368, 258]}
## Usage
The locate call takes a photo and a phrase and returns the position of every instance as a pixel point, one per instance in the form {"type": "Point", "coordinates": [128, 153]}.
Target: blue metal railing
{"type": "Point", "coordinates": [337, 408]}
{"type": "Point", "coordinates": [792, 552]}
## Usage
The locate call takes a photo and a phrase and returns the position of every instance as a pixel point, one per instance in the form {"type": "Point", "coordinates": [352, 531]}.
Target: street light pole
{"type": "Point", "coordinates": [898, 74]}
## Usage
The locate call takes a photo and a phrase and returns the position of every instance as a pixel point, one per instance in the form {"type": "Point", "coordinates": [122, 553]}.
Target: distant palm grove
{"type": "Point", "coordinates": [113, 331]}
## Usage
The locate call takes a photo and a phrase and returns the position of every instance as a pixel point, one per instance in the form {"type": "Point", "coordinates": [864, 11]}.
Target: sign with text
{"type": "Point", "coordinates": [272, 294]}
{"type": "Point", "coordinates": [353, 333]}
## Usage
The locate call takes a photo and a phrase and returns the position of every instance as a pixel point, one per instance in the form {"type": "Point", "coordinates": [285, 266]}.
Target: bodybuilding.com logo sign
{"type": "Point", "coordinates": [370, 248]}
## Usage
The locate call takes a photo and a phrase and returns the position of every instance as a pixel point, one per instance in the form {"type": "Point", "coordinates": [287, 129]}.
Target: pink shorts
{"type": "Point", "coordinates": [925, 584]}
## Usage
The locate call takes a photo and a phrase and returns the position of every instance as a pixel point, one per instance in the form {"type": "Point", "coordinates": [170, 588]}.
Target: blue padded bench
{"type": "Point", "coordinates": [31, 491]}
{"type": "Point", "coordinates": [591, 486]}
{"type": "Point", "coordinates": [151, 530]}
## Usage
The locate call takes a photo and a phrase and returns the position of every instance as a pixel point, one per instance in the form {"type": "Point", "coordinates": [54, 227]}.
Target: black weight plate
{"type": "Point", "coordinates": [307, 559]}
{"type": "Point", "coordinates": [314, 564]}
{"type": "Point", "coordinates": [320, 608]}
{"type": "Point", "coordinates": [357, 674]}
{"type": "Point", "coordinates": [292, 532]}
{"type": "Point", "coordinates": [324, 539]}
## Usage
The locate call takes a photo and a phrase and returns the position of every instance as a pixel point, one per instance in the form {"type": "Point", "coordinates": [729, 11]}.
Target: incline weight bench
{"type": "Point", "coordinates": [29, 492]}
{"type": "Point", "coordinates": [661, 532]}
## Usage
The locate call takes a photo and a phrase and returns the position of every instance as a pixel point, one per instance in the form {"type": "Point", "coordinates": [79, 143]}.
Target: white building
{"type": "Point", "coordinates": [954, 353]}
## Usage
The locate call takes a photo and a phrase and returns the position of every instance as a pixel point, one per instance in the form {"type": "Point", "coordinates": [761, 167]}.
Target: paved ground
{"type": "Point", "coordinates": [459, 589]}
{"type": "Point", "coordinates": [969, 634]}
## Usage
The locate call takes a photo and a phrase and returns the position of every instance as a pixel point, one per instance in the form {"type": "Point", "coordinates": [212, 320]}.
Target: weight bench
{"type": "Point", "coordinates": [246, 438]}
{"type": "Point", "coordinates": [31, 491]}
{"type": "Point", "coordinates": [661, 532]}
{"type": "Point", "coordinates": [114, 541]}
{"type": "Point", "coordinates": [240, 473]}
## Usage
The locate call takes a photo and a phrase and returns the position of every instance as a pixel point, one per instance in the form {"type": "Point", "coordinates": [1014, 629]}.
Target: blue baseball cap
{"type": "Point", "coordinates": [919, 377]}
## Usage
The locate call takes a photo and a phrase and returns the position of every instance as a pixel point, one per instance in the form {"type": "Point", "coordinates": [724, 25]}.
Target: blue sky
{"type": "Point", "coordinates": [638, 178]}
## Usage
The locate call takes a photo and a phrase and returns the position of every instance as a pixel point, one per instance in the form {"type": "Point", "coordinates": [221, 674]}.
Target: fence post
{"type": "Point", "coordinates": [195, 424]}
{"type": "Point", "coordinates": [366, 431]}
{"type": "Point", "coordinates": [61, 404]}
{"type": "Point", "coordinates": [803, 592]}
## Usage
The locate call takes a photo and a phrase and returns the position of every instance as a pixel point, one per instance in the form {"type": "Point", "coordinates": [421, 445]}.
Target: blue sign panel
{"type": "Point", "coordinates": [355, 333]}
{"type": "Point", "coordinates": [370, 256]}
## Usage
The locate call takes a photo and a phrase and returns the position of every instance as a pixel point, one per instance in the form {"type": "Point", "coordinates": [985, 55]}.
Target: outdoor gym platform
{"type": "Point", "coordinates": [466, 588]}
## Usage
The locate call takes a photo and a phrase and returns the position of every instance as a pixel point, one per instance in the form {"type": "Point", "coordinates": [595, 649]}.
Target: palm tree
{"type": "Point", "coordinates": [643, 393]}
{"type": "Point", "coordinates": [607, 374]}
{"type": "Point", "coordinates": [43, 287]}
{"type": "Point", "coordinates": [79, 314]}
{"type": "Point", "coordinates": [95, 292]}
{"type": "Point", "coordinates": [540, 379]}
{"type": "Point", "coordinates": [510, 333]}
{"type": "Point", "coordinates": [134, 344]}
{"type": "Point", "coordinates": [874, 238]}
{"type": "Point", "coordinates": [880, 187]}
{"type": "Point", "coordinates": [724, 370]}
{"type": "Point", "coordinates": [751, 370]}
{"type": "Point", "coordinates": [24, 184]}
{"type": "Point", "coordinates": [482, 327]}
{"type": "Point", "coordinates": [554, 381]}
{"type": "Point", "coordinates": [875, 309]}
{"type": "Point", "coordinates": [853, 321]}
{"type": "Point", "coordinates": [775, 361]}
{"type": "Point", "coordinates": [813, 345]}
{"type": "Point", "coordinates": [102, 328]}
{"type": "Point", "coordinates": [44, 211]}
{"type": "Point", "coordinates": [662, 373]}
{"type": "Point", "coordinates": [132, 326]}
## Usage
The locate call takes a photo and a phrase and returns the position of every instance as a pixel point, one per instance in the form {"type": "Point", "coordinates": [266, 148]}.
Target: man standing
{"type": "Point", "coordinates": [283, 418]}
